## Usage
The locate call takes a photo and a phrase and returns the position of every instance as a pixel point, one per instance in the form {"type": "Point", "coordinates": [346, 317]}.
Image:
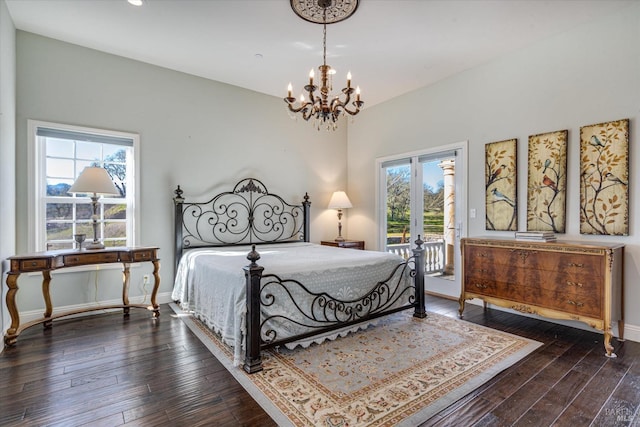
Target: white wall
{"type": "Point", "coordinates": [7, 149]}
{"type": "Point", "coordinates": [194, 132]}
{"type": "Point", "coordinates": [589, 74]}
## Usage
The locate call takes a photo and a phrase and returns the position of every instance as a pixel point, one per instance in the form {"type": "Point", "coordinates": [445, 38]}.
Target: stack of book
{"type": "Point", "coordinates": [538, 236]}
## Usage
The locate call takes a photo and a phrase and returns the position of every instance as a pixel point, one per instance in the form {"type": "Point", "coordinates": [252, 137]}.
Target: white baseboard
{"type": "Point", "coordinates": [27, 316]}
{"type": "Point", "coordinates": [632, 333]}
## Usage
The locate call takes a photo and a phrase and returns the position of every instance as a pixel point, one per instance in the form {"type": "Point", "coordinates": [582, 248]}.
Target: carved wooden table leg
{"type": "Point", "coordinates": [11, 336]}
{"type": "Point", "coordinates": [46, 280]}
{"type": "Point", "coordinates": [125, 288]}
{"type": "Point", "coordinates": [156, 285]}
{"type": "Point", "coordinates": [461, 301]}
{"type": "Point", "coordinates": [607, 343]}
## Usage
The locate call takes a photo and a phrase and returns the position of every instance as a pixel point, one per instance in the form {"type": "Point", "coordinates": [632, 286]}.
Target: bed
{"type": "Point", "coordinates": [246, 268]}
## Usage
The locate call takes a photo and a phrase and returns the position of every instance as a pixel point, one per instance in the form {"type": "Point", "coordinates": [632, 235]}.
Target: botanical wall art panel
{"type": "Point", "coordinates": [501, 185]}
{"type": "Point", "coordinates": [604, 178]}
{"type": "Point", "coordinates": [547, 182]}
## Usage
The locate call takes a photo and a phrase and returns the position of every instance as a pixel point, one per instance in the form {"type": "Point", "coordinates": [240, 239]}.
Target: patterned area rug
{"type": "Point", "coordinates": [398, 373]}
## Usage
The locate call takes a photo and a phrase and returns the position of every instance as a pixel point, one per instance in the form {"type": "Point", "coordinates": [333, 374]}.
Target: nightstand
{"type": "Point", "coordinates": [351, 244]}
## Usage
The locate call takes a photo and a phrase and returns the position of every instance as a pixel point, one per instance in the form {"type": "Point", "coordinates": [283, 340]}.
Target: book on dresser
{"type": "Point", "coordinates": [539, 236]}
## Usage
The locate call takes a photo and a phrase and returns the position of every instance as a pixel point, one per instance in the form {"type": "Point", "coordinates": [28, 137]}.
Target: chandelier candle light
{"type": "Point", "coordinates": [320, 107]}
{"type": "Point", "coordinates": [94, 180]}
{"type": "Point", "coordinates": [340, 200]}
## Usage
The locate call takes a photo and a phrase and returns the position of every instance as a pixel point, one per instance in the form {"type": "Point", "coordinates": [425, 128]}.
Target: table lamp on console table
{"type": "Point", "coordinates": [339, 201]}
{"type": "Point", "coordinates": [95, 181]}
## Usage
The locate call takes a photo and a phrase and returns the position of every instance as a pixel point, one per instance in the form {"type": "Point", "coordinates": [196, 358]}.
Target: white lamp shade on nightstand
{"type": "Point", "coordinates": [339, 200]}
{"type": "Point", "coordinates": [94, 179]}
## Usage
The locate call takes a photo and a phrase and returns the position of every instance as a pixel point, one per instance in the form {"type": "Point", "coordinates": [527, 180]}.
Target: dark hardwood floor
{"type": "Point", "coordinates": [104, 370]}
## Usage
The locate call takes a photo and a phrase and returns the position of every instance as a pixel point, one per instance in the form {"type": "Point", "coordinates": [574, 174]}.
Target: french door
{"type": "Point", "coordinates": [423, 194]}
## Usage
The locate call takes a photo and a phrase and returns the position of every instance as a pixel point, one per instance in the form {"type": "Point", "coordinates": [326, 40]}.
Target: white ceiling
{"type": "Point", "coordinates": [390, 46]}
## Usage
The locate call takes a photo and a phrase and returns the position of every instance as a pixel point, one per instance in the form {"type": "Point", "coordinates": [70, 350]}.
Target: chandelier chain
{"type": "Point", "coordinates": [324, 38]}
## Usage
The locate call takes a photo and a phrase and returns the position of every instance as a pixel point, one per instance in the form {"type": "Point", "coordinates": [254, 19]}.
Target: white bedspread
{"type": "Point", "coordinates": [211, 283]}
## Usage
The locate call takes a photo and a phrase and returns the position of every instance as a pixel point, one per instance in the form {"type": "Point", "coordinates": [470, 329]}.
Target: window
{"type": "Point", "coordinates": [59, 153]}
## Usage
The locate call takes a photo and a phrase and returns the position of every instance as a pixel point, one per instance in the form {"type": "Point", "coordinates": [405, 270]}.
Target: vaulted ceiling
{"type": "Point", "coordinates": [390, 46]}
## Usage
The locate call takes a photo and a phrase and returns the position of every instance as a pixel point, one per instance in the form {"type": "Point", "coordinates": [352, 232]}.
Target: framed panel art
{"type": "Point", "coordinates": [547, 182]}
{"type": "Point", "coordinates": [604, 178]}
{"type": "Point", "coordinates": [501, 185]}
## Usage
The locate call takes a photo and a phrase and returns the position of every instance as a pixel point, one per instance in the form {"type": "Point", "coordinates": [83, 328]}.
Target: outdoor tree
{"type": "Point", "coordinates": [398, 193]}
{"type": "Point", "coordinates": [115, 164]}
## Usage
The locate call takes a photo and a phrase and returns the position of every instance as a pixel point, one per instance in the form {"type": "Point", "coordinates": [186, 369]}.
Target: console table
{"type": "Point", "coordinates": [47, 261]}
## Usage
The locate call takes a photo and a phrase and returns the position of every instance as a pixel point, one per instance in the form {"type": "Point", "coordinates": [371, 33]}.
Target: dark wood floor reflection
{"type": "Point", "coordinates": [104, 370]}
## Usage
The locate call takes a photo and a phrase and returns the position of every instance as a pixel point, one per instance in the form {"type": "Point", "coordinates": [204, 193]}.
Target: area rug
{"type": "Point", "coordinates": [400, 372]}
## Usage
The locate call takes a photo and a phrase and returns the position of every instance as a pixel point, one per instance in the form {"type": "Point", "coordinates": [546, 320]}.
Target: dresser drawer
{"type": "Point", "coordinates": [495, 288]}
{"type": "Point", "coordinates": [479, 256]}
{"type": "Point", "coordinates": [33, 264]}
{"type": "Point", "coordinates": [89, 258]}
{"type": "Point", "coordinates": [566, 262]}
{"type": "Point", "coordinates": [145, 255]}
{"type": "Point", "coordinates": [579, 302]}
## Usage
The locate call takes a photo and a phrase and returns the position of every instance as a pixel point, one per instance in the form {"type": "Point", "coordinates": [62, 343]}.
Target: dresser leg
{"type": "Point", "coordinates": [607, 344]}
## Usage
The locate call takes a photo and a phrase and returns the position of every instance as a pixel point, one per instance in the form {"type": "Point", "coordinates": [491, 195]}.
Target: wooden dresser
{"type": "Point", "coordinates": [564, 280]}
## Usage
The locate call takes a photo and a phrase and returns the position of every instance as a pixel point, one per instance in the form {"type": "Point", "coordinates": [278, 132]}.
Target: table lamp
{"type": "Point", "coordinates": [339, 200]}
{"type": "Point", "coordinates": [95, 181]}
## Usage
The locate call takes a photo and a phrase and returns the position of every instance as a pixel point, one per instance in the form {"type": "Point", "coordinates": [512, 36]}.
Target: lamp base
{"type": "Point", "coordinates": [339, 239]}
{"type": "Point", "coordinates": [94, 245]}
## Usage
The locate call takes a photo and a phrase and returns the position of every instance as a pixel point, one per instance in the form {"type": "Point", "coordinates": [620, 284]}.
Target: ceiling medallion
{"type": "Point", "coordinates": [324, 107]}
{"type": "Point", "coordinates": [314, 10]}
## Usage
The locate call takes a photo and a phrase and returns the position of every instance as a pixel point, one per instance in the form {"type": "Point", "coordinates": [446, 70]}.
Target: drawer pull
{"type": "Point", "coordinates": [576, 264]}
{"type": "Point", "coordinates": [478, 285]}
{"type": "Point", "coordinates": [577, 304]}
{"type": "Point", "coordinates": [578, 284]}
{"type": "Point", "coordinates": [33, 263]}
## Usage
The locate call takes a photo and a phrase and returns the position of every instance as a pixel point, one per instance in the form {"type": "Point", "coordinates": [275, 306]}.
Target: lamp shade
{"type": "Point", "coordinates": [94, 179]}
{"type": "Point", "coordinates": [339, 200]}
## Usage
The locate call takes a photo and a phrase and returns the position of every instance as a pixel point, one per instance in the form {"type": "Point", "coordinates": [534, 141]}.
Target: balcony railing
{"type": "Point", "coordinates": [433, 254]}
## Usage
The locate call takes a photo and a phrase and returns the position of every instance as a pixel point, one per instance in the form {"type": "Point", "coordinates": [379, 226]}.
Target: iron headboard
{"type": "Point", "coordinates": [246, 215]}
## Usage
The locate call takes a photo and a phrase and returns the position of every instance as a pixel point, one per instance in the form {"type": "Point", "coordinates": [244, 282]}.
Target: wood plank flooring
{"type": "Point", "coordinates": [105, 370]}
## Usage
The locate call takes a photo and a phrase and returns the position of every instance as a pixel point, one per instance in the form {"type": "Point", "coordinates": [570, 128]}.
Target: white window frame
{"type": "Point", "coordinates": [461, 185]}
{"type": "Point", "coordinates": [37, 182]}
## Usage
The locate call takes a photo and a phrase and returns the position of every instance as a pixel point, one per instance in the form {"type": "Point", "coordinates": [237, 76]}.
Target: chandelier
{"type": "Point", "coordinates": [324, 108]}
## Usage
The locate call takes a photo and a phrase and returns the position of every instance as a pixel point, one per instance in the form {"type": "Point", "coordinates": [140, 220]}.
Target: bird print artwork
{"type": "Point", "coordinates": [499, 197]}
{"type": "Point", "coordinates": [611, 177]}
{"type": "Point", "coordinates": [595, 141]}
{"type": "Point", "coordinates": [501, 185]}
{"type": "Point", "coordinates": [604, 178]}
{"type": "Point", "coordinates": [548, 182]}
{"type": "Point", "coordinates": [547, 179]}
{"type": "Point", "coordinates": [588, 170]}
{"type": "Point", "coordinates": [496, 172]}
